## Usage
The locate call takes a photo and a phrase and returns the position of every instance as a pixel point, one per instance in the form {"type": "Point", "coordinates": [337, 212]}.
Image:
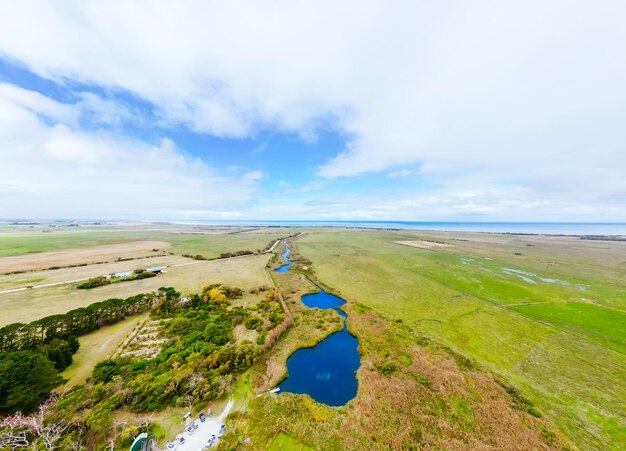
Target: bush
{"type": "Point", "coordinates": [106, 370]}
{"type": "Point", "coordinates": [93, 283]}
{"type": "Point", "coordinates": [253, 322]}
{"type": "Point", "coordinates": [423, 380]}
{"type": "Point", "coordinates": [387, 368]}
{"type": "Point", "coordinates": [261, 339]}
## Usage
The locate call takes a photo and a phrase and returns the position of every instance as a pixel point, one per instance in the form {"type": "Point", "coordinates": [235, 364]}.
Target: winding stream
{"type": "Point", "coordinates": [327, 371]}
{"type": "Point", "coordinates": [288, 264]}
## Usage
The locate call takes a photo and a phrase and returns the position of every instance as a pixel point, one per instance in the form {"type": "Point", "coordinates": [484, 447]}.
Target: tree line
{"type": "Point", "coordinates": [20, 336]}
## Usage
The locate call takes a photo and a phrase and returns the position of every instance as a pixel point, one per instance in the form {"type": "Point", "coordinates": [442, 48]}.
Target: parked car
{"type": "Point", "coordinates": [202, 418]}
{"type": "Point", "coordinates": [180, 439]}
{"type": "Point", "coordinates": [195, 425]}
{"type": "Point", "coordinates": [190, 430]}
{"type": "Point", "coordinates": [211, 440]}
{"type": "Point", "coordinates": [171, 446]}
{"type": "Point", "coordinates": [222, 430]}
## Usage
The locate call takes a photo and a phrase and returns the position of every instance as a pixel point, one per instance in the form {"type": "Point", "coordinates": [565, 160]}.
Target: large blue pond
{"type": "Point", "coordinates": [326, 372]}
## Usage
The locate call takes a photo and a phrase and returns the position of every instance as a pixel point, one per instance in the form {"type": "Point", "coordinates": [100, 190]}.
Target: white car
{"type": "Point", "coordinates": [190, 430]}
{"type": "Point", "coordinates": [180, 439]}
{"type": "Point", "coordinates": [211, 441]}
{"type": "Point", "coordinates": [222, 430]}
{"type": "Point", "coordinates": [171, 446]}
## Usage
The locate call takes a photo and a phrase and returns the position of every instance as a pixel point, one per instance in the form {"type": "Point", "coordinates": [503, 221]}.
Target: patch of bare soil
{"type": "Point", "coordinates": [422, 244]}
{"type": "Point", "coordinates": [242, 333]}
{"type": "Point", "coordinates": [66, 257]}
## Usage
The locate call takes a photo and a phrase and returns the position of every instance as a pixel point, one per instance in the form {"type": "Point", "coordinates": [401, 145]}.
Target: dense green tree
{"type": "Point", "coordinates": [107, 369]}
{"type": "Point", "coordinates": [26, 378]}
{"type": "Point", "coordinates": [59, 352]}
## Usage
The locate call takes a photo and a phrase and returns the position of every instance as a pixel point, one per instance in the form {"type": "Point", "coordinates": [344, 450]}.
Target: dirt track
{"type": "Point", "coordinates": [66, 257]}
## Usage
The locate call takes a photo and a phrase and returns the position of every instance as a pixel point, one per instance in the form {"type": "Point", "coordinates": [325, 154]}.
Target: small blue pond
{"type": "Point", "coordinates": [326, 372]}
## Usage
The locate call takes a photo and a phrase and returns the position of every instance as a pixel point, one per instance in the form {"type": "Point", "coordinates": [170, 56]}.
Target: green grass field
{"type": "Point", "coordinates": [284, 442]}
{"type": "Point", "coordinates": [568, 367]}
{"type": "Point", "coordinates": [606, 326]}
{"type": "Point", "coordinates": [211, 245]}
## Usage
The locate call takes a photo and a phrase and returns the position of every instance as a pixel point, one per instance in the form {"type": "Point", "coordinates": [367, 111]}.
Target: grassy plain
{"type": "Point", "coordinates": [606, 326]}
{"type": "Point", "coordinates": [59, 244]}
{"type": "Point", "coordinates": [459, 296]}
{"type": "Point", "coordinates": [96, 346]}
{"type": "Point", "coordinates": [82, 255]}
{"type": "Point", "coordinates": [244, 272]}
{"type": "Point", "coordinates": [209, 241]}
{"type": "Point", "coordinates": [10, 281]}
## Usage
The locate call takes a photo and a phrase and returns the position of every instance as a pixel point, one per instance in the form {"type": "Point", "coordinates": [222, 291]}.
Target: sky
{"type": "Point", "coordinates": [353, 110]}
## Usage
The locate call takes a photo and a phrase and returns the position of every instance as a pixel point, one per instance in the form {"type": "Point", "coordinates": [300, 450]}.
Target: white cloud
{"type": "Point", "coordinates": [38, 104]}
{"type": "Point", "coordinates": [400, 173]}
{"type": "Point", "coordinates": [106, 112]}
{"type": "Point", "coordinates": [55, 170]}
{"type": "Point", "coordinates": [518, 97]}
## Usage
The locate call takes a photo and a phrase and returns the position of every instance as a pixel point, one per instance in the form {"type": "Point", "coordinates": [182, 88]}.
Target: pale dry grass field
{"type": "Point", "coordinates": [34, 278]}
{"type": "Point", "coordinates": [66, 257]}
{"type": "Point", "coordinates": [243, 272]}
{"type": "Point", "coordinates": [98, 345]}
{"type": "Point", "coordinates": [422, 244]}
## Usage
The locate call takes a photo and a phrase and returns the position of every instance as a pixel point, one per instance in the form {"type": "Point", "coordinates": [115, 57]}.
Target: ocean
{"type": "Point", "coordinates": [548, 228]}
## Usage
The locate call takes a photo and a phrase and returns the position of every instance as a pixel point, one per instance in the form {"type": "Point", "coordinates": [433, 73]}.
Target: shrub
{"type": "Point", "coordinates": [93, 283]}
{"type": "Point", "coordinates": [422, 380]}
{"type": "Point", "coordinates": [261, 339]}
{"type": "Point", "coordinates": [387, 368]}
{"type": "Point", "coordinates": [106, 370]}
{"type": "Point", "coordinates": [253, 322]}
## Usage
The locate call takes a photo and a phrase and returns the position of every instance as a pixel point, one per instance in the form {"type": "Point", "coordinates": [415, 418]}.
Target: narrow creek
{"type": "Point", "coordinates": [327, 371]}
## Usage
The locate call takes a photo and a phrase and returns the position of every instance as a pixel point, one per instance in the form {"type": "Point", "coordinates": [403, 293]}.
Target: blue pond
{"type": "Point", "coordinates": [326, 372]}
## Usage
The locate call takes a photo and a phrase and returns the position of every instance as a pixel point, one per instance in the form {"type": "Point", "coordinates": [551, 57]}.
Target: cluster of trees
{"type": "Point", "coordinates": [195, 257]}
{"type": "Point", "coordinates": [100, 281]}
{"type": "Point", "coordinates": [271, 308]}
{"type": "Point", "coordinates": [235, 254]}
{"type": "Point", "coordinates": [26, 378]}
{"type": "Point", "coordinates": [222, 255]}
{"type": "Point", "coordinates": [197, 364]}
{"type": "Point", "coordinates": [18, 336]}
{"type": "Point", "coordinates": [265, 318]}
{"type": "Point", "coordinates": [33, 354]}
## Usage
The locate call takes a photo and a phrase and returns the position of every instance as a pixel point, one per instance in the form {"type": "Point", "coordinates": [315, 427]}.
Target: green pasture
{"type": "Point", "coordinates": [567, 364]}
